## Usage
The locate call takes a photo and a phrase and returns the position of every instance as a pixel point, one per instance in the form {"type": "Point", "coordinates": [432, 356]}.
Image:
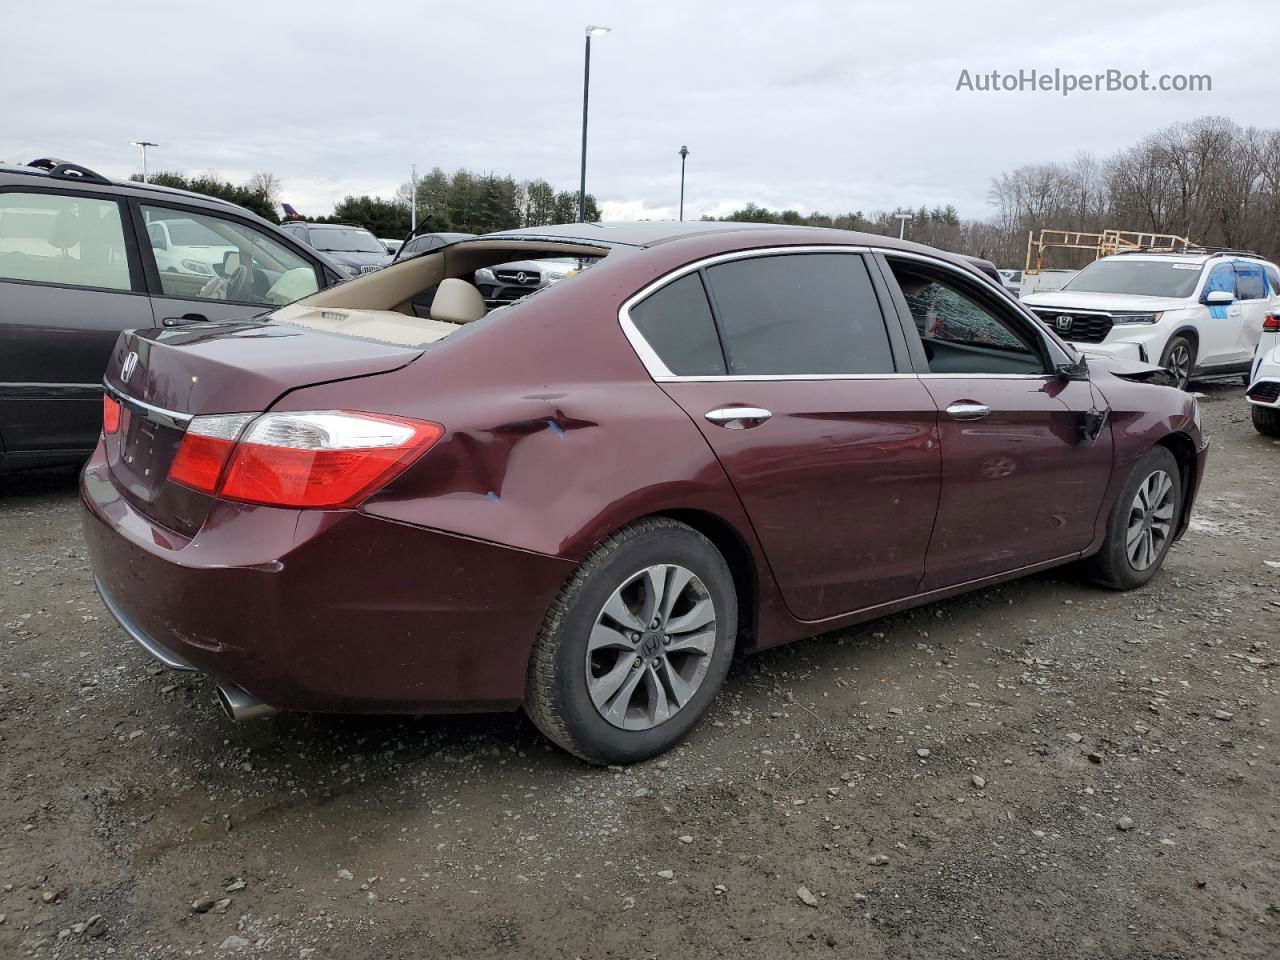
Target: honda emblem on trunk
{"type": "Point", "coordinates": [130, 363]}
{"type": "Point", "coordinates": [1063, 322]}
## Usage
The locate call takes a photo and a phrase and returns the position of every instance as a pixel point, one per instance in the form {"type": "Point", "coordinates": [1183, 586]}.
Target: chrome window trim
{"type": "Point", "coordinates": [168, 418]}
{"type": "Point", "coordinates": [1052, 343]}
{"type": "Point", "coordinates": [767, 377]}
{"type": "Point", "coordinates": [661, 373]}
{"type": "Point", "coordinates": [658, 370]}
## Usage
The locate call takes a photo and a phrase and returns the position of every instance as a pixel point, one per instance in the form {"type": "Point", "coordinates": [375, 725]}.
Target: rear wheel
{"type": "Point", "coordinates": [1179, 359]}
{"type": "Point", "coordinates": [636, 646]}
{"type": "Point", "coordinates": [1142, 523]}
{"type": "Point", "coordinates": [1266, 420]}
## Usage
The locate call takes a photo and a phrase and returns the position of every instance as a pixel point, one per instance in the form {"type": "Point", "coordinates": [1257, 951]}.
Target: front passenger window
{"type": "Point", "coordinates": [960, 335]}
{"type": "Point", "coordinates": [208, 258]}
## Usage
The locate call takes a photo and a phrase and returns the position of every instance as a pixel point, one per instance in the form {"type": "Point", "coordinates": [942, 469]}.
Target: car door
{"type": "Point", "coordinates": [70, 281]}
{"type": "Point", "coordinates": [1022, 479]}
{"type": "Point", "coordinates": [1220, 333]}
{"type": "Point", "coordinates": [1254, 300]}
{"type": "Point", "coordinates": [218, 267]}
{"type": "Point", "coordinates": [784, 362]}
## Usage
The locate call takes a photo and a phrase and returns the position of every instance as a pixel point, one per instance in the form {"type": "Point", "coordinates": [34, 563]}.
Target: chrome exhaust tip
{"type": "Point", "coordinates": [240, 705]}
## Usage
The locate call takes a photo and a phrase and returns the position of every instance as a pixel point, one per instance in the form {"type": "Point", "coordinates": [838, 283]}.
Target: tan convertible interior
{"type": "Point", "coordinates": [423, 299]}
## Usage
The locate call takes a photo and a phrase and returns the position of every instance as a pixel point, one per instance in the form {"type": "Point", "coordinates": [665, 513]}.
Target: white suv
{"type": "Point", "coordinates": [1195, 314]}
{"type": "Point", "coordinates": [1264, 382]}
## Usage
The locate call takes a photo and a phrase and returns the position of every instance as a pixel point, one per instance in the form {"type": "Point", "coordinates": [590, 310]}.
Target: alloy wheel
{"type": "Point", "coordinates": [1180, 364]}
{"type": "Point", "coordinates": [1150, 520]}
{"type": "Point", "coordinates": [650, 647]}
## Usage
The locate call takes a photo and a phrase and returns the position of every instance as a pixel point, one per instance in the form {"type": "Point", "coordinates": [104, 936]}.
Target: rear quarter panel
{"type": "Point", "coordinates": [555, 434]}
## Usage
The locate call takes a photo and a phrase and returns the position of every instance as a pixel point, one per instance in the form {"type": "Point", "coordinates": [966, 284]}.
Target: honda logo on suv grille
{"type": "Point", "coordinates": [1063, 322]}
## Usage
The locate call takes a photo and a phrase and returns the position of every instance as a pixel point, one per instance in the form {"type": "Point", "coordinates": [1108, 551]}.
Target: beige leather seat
{"type": "Point", "coordinates": [457, 301]}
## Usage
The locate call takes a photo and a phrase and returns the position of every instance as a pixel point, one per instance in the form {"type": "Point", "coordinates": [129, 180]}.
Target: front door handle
{"type": "Point", "coordinates": [967, 410]}
{"type": "Point", "coordinates": [738, 418]}
{"type": "Point", "coordinates": [184, 319]}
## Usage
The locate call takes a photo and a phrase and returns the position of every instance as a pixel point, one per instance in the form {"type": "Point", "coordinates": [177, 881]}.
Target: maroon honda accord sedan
{"type": "Point", "coordinates": [710, 438]}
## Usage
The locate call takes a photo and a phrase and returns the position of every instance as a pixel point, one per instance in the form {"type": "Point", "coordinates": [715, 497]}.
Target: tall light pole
{"type": "Point", "coordinates": [144, 144]}
{"type": "Point", "coordinates": [902, 223]}
{"type": "Point", "coordinates": [592, 31]}
{"type": "Point", "coordinates": [684, 152]}
{"type": "Point", "coordinates": [413, 198]}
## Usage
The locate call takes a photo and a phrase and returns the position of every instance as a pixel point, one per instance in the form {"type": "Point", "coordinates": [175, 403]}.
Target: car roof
{"type": "Point", "coordinates": [650, 233]}
{"type": "Point", "coordinates": [1199, 257]}
{"type": "Point", "coordinates": [636, 233]}
{"type": "Point", "coordinates": [97, 180]}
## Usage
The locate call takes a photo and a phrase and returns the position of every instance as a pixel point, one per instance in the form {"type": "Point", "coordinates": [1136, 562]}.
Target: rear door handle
{"type": "Point", "coordinates": [184, 320]}
{"type": "Point", "coordinates": [967, 410]}
{"type": "Point", "coordinates": [738, 418]}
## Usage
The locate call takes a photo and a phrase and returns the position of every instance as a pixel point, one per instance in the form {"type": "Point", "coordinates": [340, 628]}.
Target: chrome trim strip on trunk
{"type": "Point", "coordinates": [168, 418]}
{"type": "Point", "coordinates": [166, 657]}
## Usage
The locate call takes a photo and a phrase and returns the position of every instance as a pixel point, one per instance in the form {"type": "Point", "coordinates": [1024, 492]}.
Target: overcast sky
{"type": "Point", "coordinates": [833, 106]}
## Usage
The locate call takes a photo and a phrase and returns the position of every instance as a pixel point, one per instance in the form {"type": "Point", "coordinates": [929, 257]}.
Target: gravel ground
{"type": "Point", "coordinates": [1041, 769]}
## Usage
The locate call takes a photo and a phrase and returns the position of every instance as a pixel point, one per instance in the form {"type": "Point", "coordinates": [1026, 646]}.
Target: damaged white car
{"type": "Point", "coordinates": [1264, 379]}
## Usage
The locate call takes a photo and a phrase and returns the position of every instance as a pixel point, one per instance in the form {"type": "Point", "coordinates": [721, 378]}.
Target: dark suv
{"type": "Point", "coordinates": [83, 257]}
{"type": "Point", "coordinates": [350, 245]}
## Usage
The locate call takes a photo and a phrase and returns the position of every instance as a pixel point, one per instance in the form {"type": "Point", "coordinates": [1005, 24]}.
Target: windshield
{"type": "Point", "coordinates": [345, 240]}
{"type": "Point", "coordinates": [1140, 278]}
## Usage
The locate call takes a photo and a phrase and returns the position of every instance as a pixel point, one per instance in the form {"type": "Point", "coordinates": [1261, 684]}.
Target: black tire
{"type": "Point", "coordinates": [1180, 351]}
{"type": "Point", "coordinates": [557, 698]}
{"type": "Point", "coordinates": [1266, 420]}
{"type": "Point", "coordinates": [1111, 566]}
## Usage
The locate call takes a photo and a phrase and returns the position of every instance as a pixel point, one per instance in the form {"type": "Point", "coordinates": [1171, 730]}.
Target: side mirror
{"type": "Point", "coordinates": [1218, 298]}
{"type": "Point", "coordinates": [1072, 371]}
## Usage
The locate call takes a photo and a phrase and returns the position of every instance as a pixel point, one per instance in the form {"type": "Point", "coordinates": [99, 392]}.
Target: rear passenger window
{"type": "Point", "coordinates": [676, 321]}
{"type": "Point", "coordinates": [812, 313]}
{"type": "Point", "coordinates": [1273, 275]}
{"type": "Point", "coordinates": [54, 238]}
{"type": "Point", "coordinates": [1249, 283]}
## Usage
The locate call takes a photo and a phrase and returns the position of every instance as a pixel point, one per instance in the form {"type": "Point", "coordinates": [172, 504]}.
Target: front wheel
{"type": "Point", "coordinates": [1142, 523]}
{"type": "Point", "coordinates": [636, 646]}
{"type": "Point", "coordinates": [1180, 360]}
{"type": "Point", "coordinates": [1266, 420]}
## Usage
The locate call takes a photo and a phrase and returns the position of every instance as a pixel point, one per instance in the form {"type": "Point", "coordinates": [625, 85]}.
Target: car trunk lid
{"type": "Point", "coordinates": [164, 377]}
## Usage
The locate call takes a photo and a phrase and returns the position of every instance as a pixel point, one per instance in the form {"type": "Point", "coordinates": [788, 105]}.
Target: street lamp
{"type": "Point", "coordinates": [413, 198]}
{"type": "Point", "coordinates": [592, 31]}
{"type": "Point", "coordinates": [684, 152]}
{"type": "Point", "coordinates": [902, 223]}
{"type": "Point", "coordinates": [144, 144]}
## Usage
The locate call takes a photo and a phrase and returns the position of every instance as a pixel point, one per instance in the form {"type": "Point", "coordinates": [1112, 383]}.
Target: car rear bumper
{"type": "Point", "coordinates": [330, 611]}
{"type": "Point", "coordinates": [1264, 392]}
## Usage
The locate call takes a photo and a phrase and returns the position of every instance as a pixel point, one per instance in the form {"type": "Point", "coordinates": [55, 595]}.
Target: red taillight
{"type": "Point", "coordinates": [199, 462]}
{"type": "Point", "coordinates": [1271, 323]}
{"type": "Point", "coordinates": [313, 459]}
{"type": "Point", "coordinates": [110, 414]}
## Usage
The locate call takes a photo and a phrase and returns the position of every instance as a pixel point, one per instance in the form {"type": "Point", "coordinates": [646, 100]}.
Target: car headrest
{"type": "Point", "coordinates": [457, 301]}
{"type": "Point", "coordinates": [66, 230]}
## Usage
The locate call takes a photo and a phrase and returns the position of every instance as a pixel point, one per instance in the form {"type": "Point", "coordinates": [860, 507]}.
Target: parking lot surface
{"type": "Point", "coordinates": [1041, 769]}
